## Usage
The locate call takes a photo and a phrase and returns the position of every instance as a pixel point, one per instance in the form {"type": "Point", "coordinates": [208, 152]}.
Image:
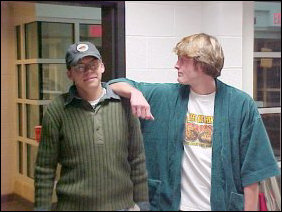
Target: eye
{"type": "Point", "coordinates": [81, 68]}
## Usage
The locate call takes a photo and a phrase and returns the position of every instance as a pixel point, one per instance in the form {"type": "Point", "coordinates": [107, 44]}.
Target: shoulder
{"type": "Point", "coordinates": [236, 94]}
{"type": "Point", "coordinates": [159, 90]}
{"type": "Point", "coordinates": [56, 107]}
{"type": "Point", "coordinates": [239, 101]}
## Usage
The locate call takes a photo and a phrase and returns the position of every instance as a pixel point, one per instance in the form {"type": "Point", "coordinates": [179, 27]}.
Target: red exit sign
{"type": "Point", "coordinates": [95, 31]}
{"type": "Point", "coordinates": [277, 18]}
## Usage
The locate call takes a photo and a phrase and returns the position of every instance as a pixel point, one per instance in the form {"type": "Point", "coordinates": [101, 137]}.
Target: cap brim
{"type": "Point", "coordinates": [93, 54]}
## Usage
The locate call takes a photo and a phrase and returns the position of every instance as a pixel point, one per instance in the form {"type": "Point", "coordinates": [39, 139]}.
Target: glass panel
{"type": "Point", "coordinates": [20, 122]}
{"type": "Point", "coordinates": [267, 82]}
{"type": "Point", "coordinates": [31, 159]}
{"type": "Point", "coordinates": [33, 81]}
{"type": "Point", "coordinates": [56, 38]}
{"type": "Point", "coordinates": [19, 42]}
{"type": "Point", "coordinates": [19, 81]}
{"type": "Point", "coordinates": [55, 80]}
{"type": "Point", "coordinates": [34, 117]}
{"type": "Point", "coordinates": [46, 81]}
{"type": "Point", "coordinates": [91, 33]}
{"type": "Point", "coordinates": [267, 27]}
{"type": "Point", "coordinates": [31, 40]}
{"type": "Point", "coordinates": [272, 125]}
{"type": "Point", "coordinates": [20, 149]}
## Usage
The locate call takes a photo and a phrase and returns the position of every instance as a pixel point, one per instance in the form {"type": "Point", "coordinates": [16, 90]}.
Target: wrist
{"type": "Point", "coordinates": [134, 92]}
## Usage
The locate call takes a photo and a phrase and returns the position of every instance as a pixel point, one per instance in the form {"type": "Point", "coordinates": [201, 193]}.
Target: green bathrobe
{"type": "Point", "coordinates": [241, 150]}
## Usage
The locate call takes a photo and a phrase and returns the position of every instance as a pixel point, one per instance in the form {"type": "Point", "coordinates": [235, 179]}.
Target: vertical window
{"type": "Point", "coordinates": [267, 68]}
{"type": "Point", "coordinates": [20, 120]}
{"type": "Point", "coordinates": [20, 157]}
{"type": "Point", "coordinates": [19, 42]}
{"type": "Point", "coordinates": [55, 38]}
{"type": "Point", "coordinates": [19, 81]}
{"type": "Point", "coordinates": [31, 40]}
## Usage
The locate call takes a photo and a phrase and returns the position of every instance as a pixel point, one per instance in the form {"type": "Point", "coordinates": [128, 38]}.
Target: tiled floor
{"type": "Point", "coordinates": [15, 203]}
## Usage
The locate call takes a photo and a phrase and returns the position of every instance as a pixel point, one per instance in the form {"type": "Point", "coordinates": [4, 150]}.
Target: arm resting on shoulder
{"type": "Point", "coordinates": [139, 105]}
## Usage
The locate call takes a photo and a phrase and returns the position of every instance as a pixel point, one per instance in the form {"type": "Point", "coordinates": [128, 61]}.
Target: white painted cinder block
{"type": "Point", "coordinates": [149, 19]}
{"type": "Point", "coordinates": [161, 53]}
{"type": "Point", "coordinates": [232, 48]}
{"type": "Point", "coordinates": [181, 3]}
{"type": "Point", "coordinates": [153, 75]}
{"type": "Point", "coordinates": [136, 52]}
{"type": "Point", "coordinates": [153, 28]}
{"type": "Point", "coordinates": [222, 18]}
{"type": "Point", "coordinates": [232, 77]}
{"type": "Point", "coordinates": [188, 20]}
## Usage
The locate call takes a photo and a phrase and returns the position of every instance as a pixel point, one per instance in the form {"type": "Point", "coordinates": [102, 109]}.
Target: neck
{"type": "Point", "coordinates": [91, 94]}
{"type": "Point", "coordinates": [204, 86]}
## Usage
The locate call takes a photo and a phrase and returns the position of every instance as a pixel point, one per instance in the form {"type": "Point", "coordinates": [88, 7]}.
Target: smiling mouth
{"type": "Point", "coordinates": [90, 78]}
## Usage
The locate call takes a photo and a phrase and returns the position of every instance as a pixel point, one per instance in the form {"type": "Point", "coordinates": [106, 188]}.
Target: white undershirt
{"type": "Point", "coordinates": [95, 102]}
{"type": "Point", "coordinates": [196, 161]}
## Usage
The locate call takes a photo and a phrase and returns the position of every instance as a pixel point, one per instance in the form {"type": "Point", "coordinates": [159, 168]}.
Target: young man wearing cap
{"type": "Point", "coordinates": [92, 133]}
{"type": "Point", "coordinates": [207, 147]}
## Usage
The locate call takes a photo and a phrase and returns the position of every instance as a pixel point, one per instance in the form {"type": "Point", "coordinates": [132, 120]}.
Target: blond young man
{"type": "Point", "coordinates": [92, 133]}
{"type": "Point", "coordinates": [207, 147]}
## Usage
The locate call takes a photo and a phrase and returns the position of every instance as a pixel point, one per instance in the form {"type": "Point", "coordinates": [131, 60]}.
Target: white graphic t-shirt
{"type": "Point", "coordinates": [196, 161]}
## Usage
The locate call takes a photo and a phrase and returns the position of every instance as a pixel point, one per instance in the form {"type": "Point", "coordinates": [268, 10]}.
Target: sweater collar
{"type": "Point", "coordinates": [72, 94]}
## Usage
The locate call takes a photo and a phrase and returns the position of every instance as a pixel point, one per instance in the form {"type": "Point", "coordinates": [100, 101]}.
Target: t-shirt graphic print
{"type": "Point", "coordinates": [199, 130]}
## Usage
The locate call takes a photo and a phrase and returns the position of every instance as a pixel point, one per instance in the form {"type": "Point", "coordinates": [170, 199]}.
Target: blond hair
{"type": "Point", "coordinates": [205, 50]}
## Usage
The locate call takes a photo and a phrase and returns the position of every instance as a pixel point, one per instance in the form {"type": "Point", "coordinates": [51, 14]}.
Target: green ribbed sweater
{"type": "Point", "coordinates": [101, 153]}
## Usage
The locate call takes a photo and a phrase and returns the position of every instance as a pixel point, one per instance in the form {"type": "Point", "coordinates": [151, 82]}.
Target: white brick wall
{"type": "Point", "coordinates": [153, 28]}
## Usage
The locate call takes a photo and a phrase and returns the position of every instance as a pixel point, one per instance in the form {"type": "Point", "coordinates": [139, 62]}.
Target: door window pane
{"type": "Point", "coordinates": [20, 119]}
{"type": "Point", "coordinates": [267, 27]}
{"type": "Point", "coordinates": [55, 80]}
{"type": "Point", "coordinates": [19, 42]}
{"type": "Point", "coordinates": [31, 40]}
{"type": "Point", "coordinates": [19, 81]}
{"type": "Point", "coordinates": [56, 38]}
{"type": "Point", "coordinates": [267, 81]}
{"type": "Point", "coordinates": [267, 67]}
{"type": "Point", "coordinates": [272, 124]}
{"type": "Point", "coordinates": [48, 40]}
{"type": "Point", "coordinates": [46, 81]}
{"type": "Point", "coordinates": [33, 81]}
{"type": "Point", "coordinates": [20, 155]}
{"type": "Point", "coordinates": [34, 115]}
{"type": "Point", "coordinates": [91, 33]}
{"type": "Point", "coordinates": [31, 159]}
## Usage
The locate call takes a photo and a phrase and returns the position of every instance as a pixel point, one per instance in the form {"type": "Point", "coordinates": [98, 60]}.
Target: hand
{"type": "Point", "coordinates": [139, 105]}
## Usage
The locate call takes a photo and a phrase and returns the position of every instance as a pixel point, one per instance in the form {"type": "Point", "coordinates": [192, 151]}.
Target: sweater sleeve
{"type": "Point", "coordinates": [46, 164]}
{"type": "Point", "coordinates": [137, 161]}
{"type": "Point", "coordinates": [258, 161]}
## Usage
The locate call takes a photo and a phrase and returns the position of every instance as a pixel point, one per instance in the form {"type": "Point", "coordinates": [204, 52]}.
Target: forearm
{"type": "Point", "coordinates": [123, 89]}
{"type": "Point", "coordinates": [139, 105]}
{"type": "Point", "coordinates": [44, 184]}
{"type": "Point", "coordinates": [251, 197]}
{"type": "Point", "coordinates": [139, 178]}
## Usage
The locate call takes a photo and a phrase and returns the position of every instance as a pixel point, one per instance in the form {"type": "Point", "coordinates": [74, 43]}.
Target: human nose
{"type": "Point", "coordinates": [90, 68]}
{"type": "Point", "coordinates": [177, 65]}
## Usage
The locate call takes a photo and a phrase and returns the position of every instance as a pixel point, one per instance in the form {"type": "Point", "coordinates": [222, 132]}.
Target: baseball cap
{"type": "Point", "coordinates": [79, 50]}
